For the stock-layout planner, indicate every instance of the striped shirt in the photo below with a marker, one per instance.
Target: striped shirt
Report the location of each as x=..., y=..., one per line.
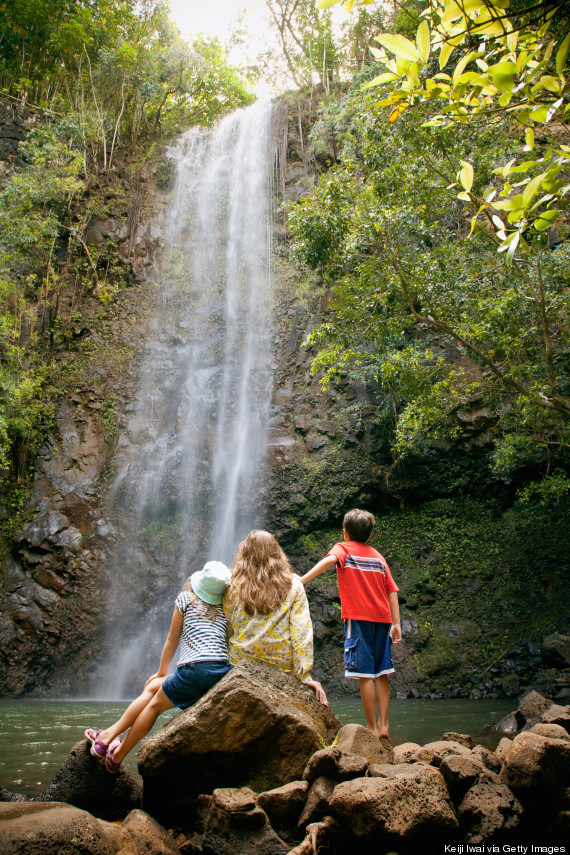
x=201, y=639
x=364, y=582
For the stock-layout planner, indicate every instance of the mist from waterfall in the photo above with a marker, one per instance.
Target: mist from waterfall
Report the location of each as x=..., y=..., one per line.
x=190, y=462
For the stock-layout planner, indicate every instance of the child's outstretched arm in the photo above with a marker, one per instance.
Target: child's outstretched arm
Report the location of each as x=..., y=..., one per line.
x=170, y=645
x=324, y=564
x=396, y=631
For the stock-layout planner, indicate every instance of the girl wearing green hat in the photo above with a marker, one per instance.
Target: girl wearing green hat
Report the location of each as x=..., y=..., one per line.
x=200, y=626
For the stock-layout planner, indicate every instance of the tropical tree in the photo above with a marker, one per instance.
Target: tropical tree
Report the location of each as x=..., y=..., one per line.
x=421, y=300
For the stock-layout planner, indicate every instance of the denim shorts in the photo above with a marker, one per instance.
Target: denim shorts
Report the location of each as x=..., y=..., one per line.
x=367, y=649
x=189, y=682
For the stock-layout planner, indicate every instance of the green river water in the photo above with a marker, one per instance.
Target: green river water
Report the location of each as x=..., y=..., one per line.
x=36, y=736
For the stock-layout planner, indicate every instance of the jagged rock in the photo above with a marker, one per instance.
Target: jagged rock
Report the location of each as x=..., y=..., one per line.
x=283, y=805
x=236, y=825
x=334, y=763
x=29, y=828
x=390, y=811
x=532, y=706
x=383, y=770
x=502, y=749
x=489, y=812
x=356, y=739
x=536, y=761
x=257, y=727
x=83, y=781
x=318, y=799
x=460, y=738
x=460, y=773
x=511, y=723
x=321, y=763
x=406, y=752
x=553, y=731
x=557, y=714
x=434, y=752
x=7, y=796
x=556, y=650
x=488, y=758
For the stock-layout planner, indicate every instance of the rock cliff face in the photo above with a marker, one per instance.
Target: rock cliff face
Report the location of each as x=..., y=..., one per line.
x=328, y=451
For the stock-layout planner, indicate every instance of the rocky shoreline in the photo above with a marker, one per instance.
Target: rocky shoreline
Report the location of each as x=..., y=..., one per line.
x=258, y=767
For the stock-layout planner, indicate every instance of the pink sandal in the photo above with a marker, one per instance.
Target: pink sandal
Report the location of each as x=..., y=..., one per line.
x=98, y=747
x=110, y=762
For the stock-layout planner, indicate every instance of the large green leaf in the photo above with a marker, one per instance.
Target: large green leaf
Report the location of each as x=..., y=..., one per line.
x=399, y=45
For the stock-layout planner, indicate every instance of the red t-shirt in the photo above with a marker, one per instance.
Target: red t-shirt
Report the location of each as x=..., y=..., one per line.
x=364, y=582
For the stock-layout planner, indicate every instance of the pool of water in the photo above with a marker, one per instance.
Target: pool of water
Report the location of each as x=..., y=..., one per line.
x=36, y=736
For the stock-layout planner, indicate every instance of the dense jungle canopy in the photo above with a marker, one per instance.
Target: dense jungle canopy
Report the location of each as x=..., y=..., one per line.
x=440, y=219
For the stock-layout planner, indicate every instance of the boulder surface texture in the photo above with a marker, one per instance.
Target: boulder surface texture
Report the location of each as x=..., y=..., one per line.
x=257, y=727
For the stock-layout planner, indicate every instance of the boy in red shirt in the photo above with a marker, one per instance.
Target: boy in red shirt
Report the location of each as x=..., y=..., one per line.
x=370, y=611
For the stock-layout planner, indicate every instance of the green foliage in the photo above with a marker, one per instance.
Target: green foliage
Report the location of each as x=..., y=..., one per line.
x=420, y=301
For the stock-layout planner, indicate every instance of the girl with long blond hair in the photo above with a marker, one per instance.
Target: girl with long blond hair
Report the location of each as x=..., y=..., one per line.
x=267, y=610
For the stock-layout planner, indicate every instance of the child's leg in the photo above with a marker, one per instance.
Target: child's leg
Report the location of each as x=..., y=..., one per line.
x=133, y=710
x=382, y=688
x=368, y=696
x=143, y=724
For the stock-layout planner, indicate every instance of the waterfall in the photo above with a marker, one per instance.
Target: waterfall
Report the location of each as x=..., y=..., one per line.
x=190, y=461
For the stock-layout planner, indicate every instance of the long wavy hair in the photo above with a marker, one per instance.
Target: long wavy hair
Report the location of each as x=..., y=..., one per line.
x=261, y=574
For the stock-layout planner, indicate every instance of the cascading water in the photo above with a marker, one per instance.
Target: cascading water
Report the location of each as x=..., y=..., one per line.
x=190, y=463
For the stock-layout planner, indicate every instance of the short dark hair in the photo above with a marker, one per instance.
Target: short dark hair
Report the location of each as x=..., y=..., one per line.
x=358, y=524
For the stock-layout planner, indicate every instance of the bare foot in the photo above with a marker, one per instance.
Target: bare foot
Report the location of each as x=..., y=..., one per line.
x=383, y=733
x=374, y=731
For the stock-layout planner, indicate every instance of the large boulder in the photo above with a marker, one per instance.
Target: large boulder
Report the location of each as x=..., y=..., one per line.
x=83, y=781
x=489, y=812
x=257, y=727
x=530, y=710
x=32, y=828
x=536, y=762
x=409, y=807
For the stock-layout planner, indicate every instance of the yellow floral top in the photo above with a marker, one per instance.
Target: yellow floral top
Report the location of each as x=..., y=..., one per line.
x=283, y=638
